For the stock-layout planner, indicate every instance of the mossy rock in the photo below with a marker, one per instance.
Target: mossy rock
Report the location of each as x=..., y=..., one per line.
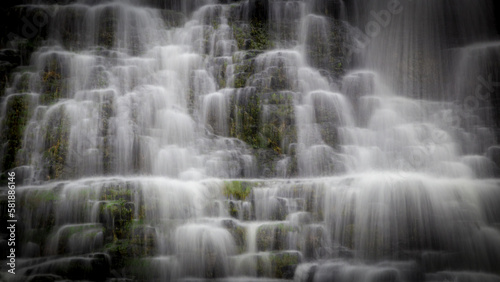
x=243, y=70
x=56, y=141
x=106, y=37
x=315, y=239
x=53, y=84
x=39, y=198
x=242, y=210
x=330, y=54
x=82, y=233
x=253, y=36
x=274, y=236
x=144, y=269
x=143, y=238
x=244, y=67
x=54, y=78
x=238, y=190
x=173, y=18
x=106, y=112
x=267, y=157
x=284, y=264
x=245, y=118
x=238, y=232
x=116, y=216
x=124, y=253
x=118, y=191
x=279, y=265
x=278, y=127
x=21, y=80
x=39, y=208
x=15, y=121
x=348, y=236
x=220, y=68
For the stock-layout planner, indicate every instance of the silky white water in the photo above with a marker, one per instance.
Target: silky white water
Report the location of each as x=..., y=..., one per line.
x=162, y=144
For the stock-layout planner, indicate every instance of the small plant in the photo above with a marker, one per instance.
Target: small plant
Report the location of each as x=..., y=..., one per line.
x=237, y=190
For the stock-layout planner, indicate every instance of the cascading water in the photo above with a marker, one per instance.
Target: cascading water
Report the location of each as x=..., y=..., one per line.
x=254, y=140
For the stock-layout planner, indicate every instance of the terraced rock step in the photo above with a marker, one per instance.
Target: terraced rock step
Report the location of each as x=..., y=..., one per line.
x=159, y=228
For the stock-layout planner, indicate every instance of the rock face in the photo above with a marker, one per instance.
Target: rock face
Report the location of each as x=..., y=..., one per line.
x=258, y=91
x=241, y=140
x=148, y=229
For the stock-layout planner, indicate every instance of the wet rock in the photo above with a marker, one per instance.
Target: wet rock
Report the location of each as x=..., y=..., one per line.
x=493, y=153
x=339, y=271
x=274, y=236
x=74, y=268
x=358, y=84
x=305, y=272
x=14, y=124
x=238, y=232
x=258, y=10
x=31, y=250
x=461, y=276
x=332, y=8
x=44, y=278
x=280, y=265
x=116, y=216
x=142, y=240
x=312, y=241
x=173, y=18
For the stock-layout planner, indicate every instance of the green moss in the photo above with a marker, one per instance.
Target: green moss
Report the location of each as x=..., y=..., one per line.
x=142, y=238
x=34, y=201
x=238, y=232
x=233, y=211
x=254, y=36
x=279, y=265
x=283, y=264
x=243, y=70
x=142, y=269
x=52, y=83
x=119, y=252
x=278, y=128
x=237, y=190
x=117, y=192
x=245, y=119
x=56, y=144
x=118, y=215
x=273, y=236
x=106, y=112
x=15, y=122
x=221, y=75
x=329, y=53
x=45, y=196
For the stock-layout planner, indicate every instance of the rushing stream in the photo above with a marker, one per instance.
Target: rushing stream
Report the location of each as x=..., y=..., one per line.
x=255, y=140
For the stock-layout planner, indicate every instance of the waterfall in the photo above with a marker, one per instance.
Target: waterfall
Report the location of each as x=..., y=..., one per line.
x=251, y=140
